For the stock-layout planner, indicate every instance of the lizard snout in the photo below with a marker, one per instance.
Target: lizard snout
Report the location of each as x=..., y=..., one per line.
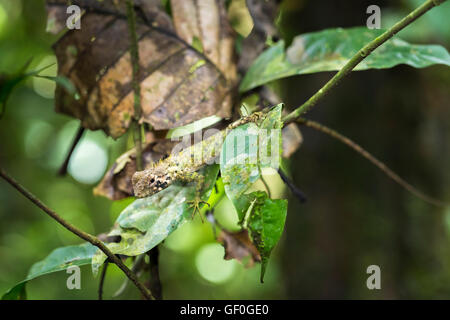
x=147, y=183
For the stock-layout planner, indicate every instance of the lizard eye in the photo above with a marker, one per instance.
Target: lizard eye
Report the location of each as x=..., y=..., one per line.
x=152, y=180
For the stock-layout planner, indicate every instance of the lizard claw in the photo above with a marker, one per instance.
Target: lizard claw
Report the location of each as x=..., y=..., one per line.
x=196, y=205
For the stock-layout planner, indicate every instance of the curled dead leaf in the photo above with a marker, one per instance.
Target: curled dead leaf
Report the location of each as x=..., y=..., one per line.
x=239, y=246
x=264, y=14
x=116, y=184
x=179, y=84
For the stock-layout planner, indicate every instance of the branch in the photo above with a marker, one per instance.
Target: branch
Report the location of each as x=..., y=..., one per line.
x=155, y=281
x=392, y=175
x=294, y=189
x=80, y=233
x=359, y=56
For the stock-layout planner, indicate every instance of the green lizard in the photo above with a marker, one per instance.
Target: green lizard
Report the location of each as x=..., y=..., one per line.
x=183, y=166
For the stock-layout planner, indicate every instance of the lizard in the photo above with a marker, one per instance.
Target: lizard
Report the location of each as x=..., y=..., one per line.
x=184, y=165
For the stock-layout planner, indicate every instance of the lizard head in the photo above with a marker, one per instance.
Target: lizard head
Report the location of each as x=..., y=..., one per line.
x=149, y=182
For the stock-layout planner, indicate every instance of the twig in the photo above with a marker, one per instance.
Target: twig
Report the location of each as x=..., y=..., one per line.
x=63, y=169
x=392, y=175
x=359, y=56
x=80, y=233
x=102, y=281
x=294, y=189
x=155, y=281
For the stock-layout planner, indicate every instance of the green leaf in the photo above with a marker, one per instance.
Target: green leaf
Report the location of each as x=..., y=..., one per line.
x=9, y=82
x=18, y=292
x=148, y=221
x=58, y=260
x=330, y=49
x=266, y=223
x=245, y=151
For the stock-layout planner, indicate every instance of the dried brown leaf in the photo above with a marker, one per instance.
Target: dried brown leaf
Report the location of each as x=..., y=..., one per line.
x=179, y=85
x=207, y=21
x=239, y=246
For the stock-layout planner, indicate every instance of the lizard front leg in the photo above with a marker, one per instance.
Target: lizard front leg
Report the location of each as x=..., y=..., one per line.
x=196, y=203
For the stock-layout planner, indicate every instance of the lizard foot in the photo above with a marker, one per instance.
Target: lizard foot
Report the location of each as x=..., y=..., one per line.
x=196, y=203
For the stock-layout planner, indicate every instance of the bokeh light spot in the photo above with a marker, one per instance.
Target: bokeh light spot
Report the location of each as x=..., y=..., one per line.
x=88, y=162
x=211, y=264
x=186, y=238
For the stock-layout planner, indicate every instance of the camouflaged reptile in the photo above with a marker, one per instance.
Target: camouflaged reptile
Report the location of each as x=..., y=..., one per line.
x=183, y=166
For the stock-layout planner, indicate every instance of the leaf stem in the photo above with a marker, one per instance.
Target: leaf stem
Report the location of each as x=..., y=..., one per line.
x=102, y=281
x=359, y=56
x=266, y=186
x=155, y=283
x=80, y=233
x=134, y=53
